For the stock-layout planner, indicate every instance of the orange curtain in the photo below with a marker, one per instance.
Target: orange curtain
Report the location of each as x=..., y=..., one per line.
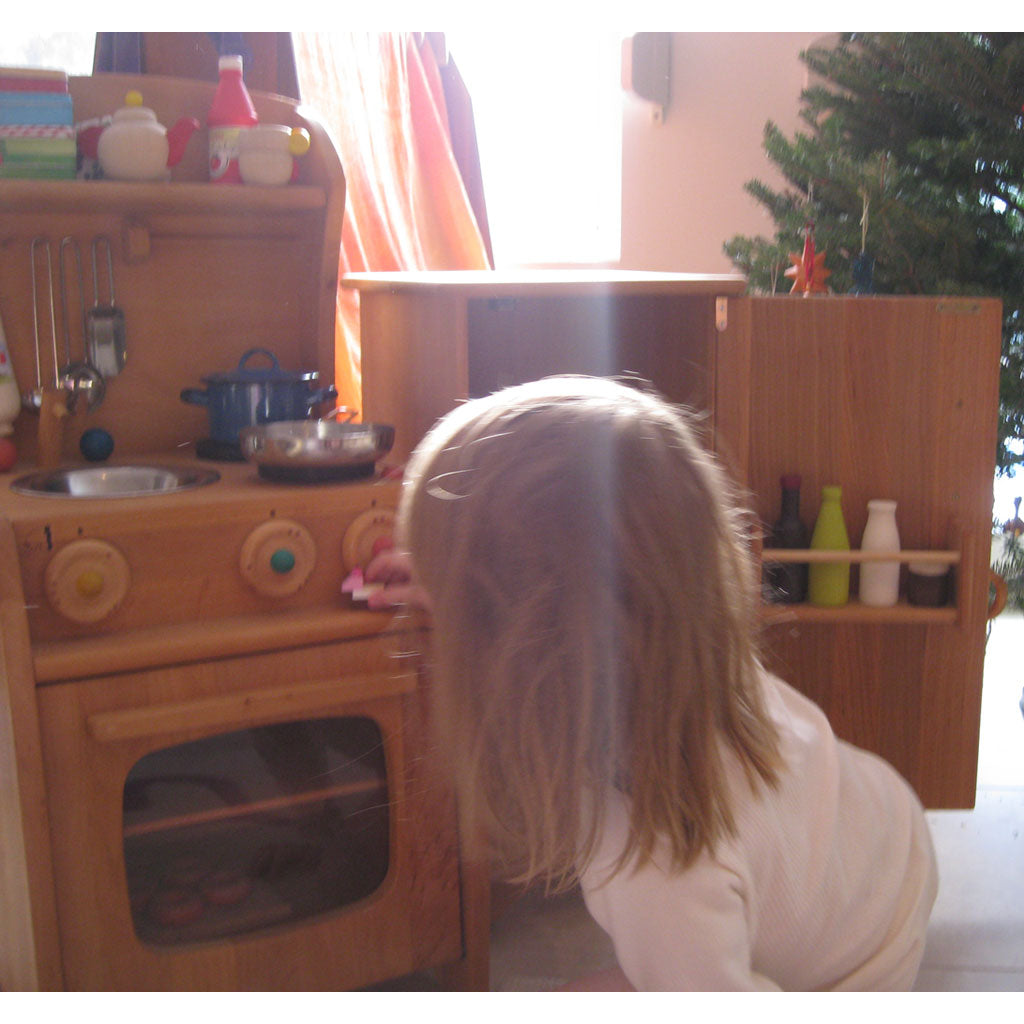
x=381, y=98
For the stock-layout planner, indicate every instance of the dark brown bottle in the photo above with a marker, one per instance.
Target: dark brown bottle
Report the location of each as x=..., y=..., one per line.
x=787, y=584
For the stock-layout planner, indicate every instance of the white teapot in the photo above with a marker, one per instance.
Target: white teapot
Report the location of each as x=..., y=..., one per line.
x=136, y=147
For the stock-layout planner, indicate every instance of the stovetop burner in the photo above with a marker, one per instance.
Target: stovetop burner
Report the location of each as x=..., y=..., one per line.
x=316, y=474
x=219, y=451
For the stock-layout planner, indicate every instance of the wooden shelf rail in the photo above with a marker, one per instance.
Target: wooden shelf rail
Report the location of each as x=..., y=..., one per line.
x=782, y=556
x=232, y=811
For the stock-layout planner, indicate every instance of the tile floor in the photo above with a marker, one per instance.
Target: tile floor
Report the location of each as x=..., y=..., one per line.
x=976, y=936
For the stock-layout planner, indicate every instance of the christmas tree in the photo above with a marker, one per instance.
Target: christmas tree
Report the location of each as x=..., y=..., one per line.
x=911, y=173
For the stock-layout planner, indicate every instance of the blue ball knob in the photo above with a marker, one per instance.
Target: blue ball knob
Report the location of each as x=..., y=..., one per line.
x=96, y=444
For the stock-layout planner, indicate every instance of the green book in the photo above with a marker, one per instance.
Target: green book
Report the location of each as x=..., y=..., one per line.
x=19, y=148
x=37, y=169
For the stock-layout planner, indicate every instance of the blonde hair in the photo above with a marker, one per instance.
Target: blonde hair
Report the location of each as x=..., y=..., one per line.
x=594, y=621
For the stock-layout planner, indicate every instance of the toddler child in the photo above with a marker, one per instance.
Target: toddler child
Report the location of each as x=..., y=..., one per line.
x=606, y=715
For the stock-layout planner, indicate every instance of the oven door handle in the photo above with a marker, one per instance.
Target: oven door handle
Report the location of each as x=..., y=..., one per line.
x=245, y=709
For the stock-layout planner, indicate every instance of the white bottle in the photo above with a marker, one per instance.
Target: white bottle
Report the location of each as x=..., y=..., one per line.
x=880, y=581
x=10, y=396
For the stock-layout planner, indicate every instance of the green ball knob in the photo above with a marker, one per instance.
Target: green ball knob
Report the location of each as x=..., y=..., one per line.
x=282, y=561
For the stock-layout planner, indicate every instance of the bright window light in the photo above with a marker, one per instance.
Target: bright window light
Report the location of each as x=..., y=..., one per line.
x=548, y=112
x=67, y=51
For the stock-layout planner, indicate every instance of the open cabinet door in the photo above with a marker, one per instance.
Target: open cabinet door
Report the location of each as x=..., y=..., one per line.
x=889, y=398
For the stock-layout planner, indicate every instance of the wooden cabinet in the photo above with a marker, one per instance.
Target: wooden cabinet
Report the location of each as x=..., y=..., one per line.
x=313, y=790
x=430, y=340
x=891, y=398
x=888, y=397
x=202, y=272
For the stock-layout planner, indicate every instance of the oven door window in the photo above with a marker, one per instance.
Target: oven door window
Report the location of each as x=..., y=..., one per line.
x=254, y=829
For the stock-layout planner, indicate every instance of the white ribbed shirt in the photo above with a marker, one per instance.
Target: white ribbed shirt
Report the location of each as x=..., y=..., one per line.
x=826, y=885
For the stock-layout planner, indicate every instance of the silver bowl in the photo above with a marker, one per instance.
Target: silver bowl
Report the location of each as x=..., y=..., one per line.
x=112, y=481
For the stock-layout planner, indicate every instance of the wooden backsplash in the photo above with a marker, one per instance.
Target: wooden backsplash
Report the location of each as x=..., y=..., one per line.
x=202, y=272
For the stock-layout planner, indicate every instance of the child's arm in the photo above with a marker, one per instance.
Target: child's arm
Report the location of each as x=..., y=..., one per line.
x=684, y=930
x=681, y=932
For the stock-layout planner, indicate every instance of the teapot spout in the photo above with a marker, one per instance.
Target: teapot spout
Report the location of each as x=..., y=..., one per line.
x=177, y=138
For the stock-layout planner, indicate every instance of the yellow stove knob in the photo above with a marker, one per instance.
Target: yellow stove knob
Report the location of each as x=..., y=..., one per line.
x=89, y=583
x=87, y=580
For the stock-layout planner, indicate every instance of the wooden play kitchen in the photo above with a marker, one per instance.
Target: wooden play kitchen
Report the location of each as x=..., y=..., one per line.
x=215, y=767
x=888, y=398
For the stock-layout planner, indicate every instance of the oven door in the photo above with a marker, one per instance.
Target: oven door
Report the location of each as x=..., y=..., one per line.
x=226, y=825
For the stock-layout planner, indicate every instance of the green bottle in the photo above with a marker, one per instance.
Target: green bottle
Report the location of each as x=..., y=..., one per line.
x=829, y=582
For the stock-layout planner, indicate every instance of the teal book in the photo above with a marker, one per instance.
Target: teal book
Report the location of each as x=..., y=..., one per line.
x=35, y=108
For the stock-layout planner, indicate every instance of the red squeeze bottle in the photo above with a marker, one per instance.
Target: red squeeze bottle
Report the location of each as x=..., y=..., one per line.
x=230, y=113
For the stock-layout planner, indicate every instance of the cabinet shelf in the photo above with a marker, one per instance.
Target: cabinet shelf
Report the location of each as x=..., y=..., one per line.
x=853, y=611
x=289, y=802
x=252, y=773
x=30, y=196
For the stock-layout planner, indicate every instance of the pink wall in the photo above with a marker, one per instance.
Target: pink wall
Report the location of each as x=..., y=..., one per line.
x=682, y=178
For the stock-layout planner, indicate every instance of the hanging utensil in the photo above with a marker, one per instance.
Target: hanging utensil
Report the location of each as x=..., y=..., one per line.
x=105, y=328
x=77, y=377
x=34, y=399
x=68, y=243
x=49, y=400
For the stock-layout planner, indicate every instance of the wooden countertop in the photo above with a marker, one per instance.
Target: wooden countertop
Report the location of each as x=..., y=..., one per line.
x=562, y=282
x=186, y=593
x=239, y=485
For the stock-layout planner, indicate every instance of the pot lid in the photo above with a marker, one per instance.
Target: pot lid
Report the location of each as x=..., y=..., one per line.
x=246, y=374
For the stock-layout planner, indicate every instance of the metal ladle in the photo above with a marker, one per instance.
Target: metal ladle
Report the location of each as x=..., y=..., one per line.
x=77, y=377
x=33, y=399
x=104, y=324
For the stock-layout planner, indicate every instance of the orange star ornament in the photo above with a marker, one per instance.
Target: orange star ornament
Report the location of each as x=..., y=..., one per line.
x=809, y=272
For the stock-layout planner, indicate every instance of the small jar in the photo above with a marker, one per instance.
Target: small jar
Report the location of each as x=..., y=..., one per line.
x=927, y=584
x=266, y=153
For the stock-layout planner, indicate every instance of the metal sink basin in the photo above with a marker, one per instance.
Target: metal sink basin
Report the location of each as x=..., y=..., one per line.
x=113, y=481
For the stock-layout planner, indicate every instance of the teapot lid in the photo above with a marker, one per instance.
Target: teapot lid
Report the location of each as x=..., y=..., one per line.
x=133, y=110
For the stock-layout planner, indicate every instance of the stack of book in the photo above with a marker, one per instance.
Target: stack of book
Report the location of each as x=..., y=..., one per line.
x=37, y=135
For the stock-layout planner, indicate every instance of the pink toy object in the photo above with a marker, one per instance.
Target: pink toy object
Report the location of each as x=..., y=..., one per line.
x=355, y=585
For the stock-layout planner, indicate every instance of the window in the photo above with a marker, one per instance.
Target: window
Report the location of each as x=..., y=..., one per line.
x=69, y=51
x=548, y=112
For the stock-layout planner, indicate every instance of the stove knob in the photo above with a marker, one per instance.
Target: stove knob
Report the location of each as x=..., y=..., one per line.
x=86, y=580
x=366, y=535
x=277, y=558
